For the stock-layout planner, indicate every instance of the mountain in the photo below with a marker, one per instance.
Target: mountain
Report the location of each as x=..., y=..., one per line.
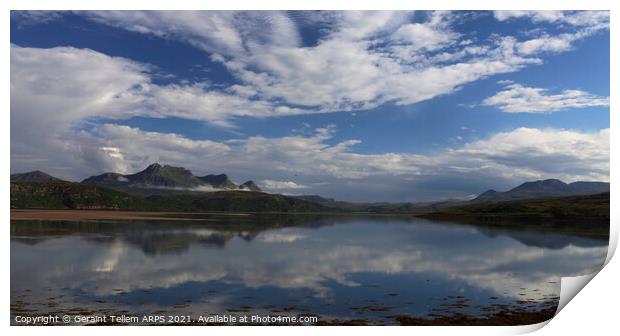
x=166, y=176
x=157, y=177
x=220, y=181
x=543, y=189
x=154, y=176
x=33, y=176
x=249, y=185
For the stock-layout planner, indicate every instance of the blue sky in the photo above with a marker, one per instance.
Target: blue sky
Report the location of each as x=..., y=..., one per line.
x=361, y=106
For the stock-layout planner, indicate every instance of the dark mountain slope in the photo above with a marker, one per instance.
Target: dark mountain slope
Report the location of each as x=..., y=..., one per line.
x=220, y=181
x=249, y=185
x=164, y=176
x=542, y=189
x=154, y=176
x=68, y=195
x=33, y=176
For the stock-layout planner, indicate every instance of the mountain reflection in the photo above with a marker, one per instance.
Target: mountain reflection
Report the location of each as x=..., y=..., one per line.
x=325, y=259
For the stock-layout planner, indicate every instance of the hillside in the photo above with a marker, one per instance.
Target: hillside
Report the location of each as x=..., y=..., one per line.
x=585, y=212
x=33, y=176
x=69, y=195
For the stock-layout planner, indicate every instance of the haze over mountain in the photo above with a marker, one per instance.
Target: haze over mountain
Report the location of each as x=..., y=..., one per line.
x=543, y=189
x=157, y=176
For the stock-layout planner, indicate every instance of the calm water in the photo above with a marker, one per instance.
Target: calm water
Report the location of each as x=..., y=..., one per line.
x=370, y=268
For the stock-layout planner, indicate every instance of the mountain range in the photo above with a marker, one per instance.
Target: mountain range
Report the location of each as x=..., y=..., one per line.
x=158, y=176
x=159, y=179
x=543, y=189
x=578, y=206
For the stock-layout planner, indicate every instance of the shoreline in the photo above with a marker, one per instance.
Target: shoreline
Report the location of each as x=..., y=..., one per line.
x=81, y=215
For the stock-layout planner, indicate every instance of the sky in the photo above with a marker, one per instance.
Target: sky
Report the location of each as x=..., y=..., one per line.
x=360, y=106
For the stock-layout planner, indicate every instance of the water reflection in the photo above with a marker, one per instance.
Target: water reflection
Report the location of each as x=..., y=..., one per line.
x=336, y=267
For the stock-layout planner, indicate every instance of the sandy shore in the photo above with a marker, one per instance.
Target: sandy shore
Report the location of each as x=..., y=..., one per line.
x=78, y=215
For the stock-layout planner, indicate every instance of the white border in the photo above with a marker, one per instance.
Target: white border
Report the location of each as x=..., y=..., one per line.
x=594, y=311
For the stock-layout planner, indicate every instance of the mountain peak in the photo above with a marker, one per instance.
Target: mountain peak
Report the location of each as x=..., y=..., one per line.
x=218, y=181
x=541, y=185
x=250, y=185
x=153, y=167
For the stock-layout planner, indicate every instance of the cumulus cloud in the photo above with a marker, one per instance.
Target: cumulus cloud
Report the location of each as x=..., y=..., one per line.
x=530, y=153
x=57, y=90
x=518, y=98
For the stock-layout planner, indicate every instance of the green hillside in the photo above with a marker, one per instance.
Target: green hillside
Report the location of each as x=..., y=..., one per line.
x=585, y=214
x=68, y=195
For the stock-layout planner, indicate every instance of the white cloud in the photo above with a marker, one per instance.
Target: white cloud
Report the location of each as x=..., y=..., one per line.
x=581, y=23
x=508, y=157
x=517, y=98
x=361, y=60
x=429, y=36
x=536, y=16
x=281, y=185
x=346, y=69
x=56, y=90
x=346, y=73
x=530, y=153
x=354, y=25
x=208, y=30
x=575, y=18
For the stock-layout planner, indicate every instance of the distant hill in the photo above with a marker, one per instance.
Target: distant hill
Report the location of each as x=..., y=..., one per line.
x=543, y=189
x=33, y=176
x=168, y=177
